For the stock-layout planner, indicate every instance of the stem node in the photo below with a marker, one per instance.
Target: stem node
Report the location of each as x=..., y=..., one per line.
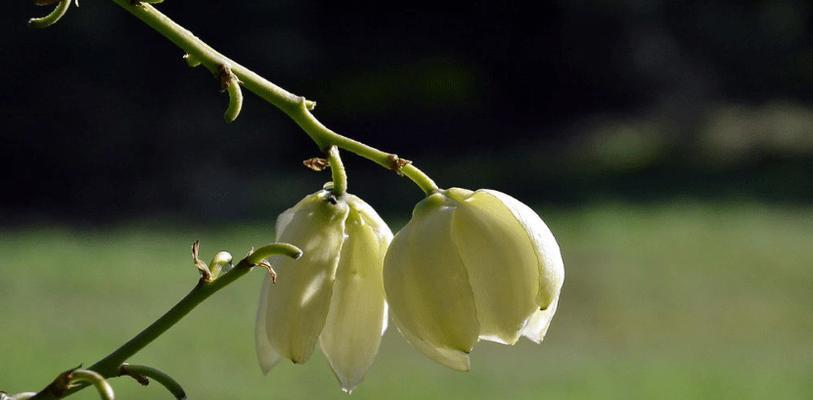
x=397, y=164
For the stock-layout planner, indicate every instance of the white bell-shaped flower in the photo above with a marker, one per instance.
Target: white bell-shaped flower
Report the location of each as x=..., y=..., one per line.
x=333, y=294
x=470, y=266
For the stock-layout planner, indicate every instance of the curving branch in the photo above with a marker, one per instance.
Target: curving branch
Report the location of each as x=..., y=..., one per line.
x=110, y=366
x=52, y=17
x=93, y=378
x=70, y=381
x=231, y=85
x=296, y=107
x=141, y=373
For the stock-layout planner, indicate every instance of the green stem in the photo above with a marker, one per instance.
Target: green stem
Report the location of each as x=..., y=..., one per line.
x=95, y=379
x=110, y=366
x=337, y=171
x=52, y=17
x=294, y=106
x=143, y=371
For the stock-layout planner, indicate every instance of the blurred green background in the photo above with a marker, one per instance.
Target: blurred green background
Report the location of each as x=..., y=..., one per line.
x=671, y=301
x=669, y=146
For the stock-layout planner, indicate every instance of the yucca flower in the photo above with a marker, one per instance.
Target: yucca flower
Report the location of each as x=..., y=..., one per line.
x=470, y=266
x=333, y=294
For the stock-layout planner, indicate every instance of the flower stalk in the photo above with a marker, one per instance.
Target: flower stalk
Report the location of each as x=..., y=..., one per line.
x=296, y=107
x=337, y=171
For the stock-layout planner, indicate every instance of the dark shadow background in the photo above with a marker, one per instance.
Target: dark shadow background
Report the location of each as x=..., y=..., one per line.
x=567, y=102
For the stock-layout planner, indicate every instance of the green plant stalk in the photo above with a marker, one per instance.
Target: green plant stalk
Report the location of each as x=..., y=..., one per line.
x=155, y=374
x=337, y=171
x=95, y=379
x=296, y=107
x=109, y=366
x=52, y=17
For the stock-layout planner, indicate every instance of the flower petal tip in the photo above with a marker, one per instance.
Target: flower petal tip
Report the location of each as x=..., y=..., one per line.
x=535, y=340
x=348, y=386
x=267, y=365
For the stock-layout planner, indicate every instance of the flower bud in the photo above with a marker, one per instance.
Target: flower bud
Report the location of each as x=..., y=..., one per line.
x=334, y=293
x=470, y=266
x=220, y=264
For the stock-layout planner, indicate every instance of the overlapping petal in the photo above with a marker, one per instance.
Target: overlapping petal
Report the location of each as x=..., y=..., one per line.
x=468, y=266
x=501, y=264
x=266, y=355
x=428, y=288
x=333, y=294
x=539, y=322
x=358, y=312
x=551, y=266
x=295, y=312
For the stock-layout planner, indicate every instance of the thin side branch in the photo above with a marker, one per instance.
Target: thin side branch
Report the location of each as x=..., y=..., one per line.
x=142, y=372
x=296, y=107
x=110, y=366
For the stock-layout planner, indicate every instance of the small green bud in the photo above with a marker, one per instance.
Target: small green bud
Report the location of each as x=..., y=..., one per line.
x=220, y=264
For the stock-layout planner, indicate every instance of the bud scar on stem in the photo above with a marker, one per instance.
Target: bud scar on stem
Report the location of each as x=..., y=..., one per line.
x=316, y=164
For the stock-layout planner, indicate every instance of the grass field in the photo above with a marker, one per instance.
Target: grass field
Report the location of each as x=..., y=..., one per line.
x=673, y=301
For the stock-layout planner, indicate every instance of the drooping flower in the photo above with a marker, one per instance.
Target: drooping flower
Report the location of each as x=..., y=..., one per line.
x=470, y=266
x=333, y=294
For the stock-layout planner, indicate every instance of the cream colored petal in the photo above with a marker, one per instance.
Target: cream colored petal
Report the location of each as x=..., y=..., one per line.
x=454, y=359
x=551, y=266
x=266, y=355
x=283, y=220
x=427, y=286
x=298, y=304
x=538, y=325
x=501, y=263
x=358, y=312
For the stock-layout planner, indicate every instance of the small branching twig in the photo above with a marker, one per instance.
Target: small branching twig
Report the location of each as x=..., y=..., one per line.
x=296, y=107
x=231, y=85
x=52, y=17
x=95, y=379
x=141, y=373
x=111, y=366
x=74, y=379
